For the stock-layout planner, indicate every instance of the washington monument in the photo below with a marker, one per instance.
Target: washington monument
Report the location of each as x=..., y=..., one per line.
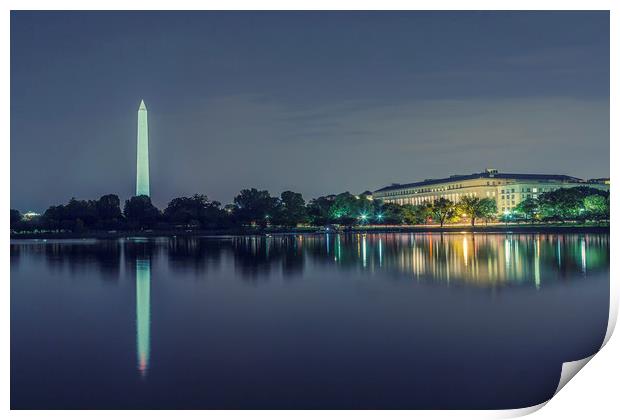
x=142, y=168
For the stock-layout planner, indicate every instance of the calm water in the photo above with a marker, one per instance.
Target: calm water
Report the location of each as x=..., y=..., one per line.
x=316, y=321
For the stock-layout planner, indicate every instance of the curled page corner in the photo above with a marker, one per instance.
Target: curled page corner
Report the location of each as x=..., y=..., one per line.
x=570, y=369
x=519, y=412
x=613, y=313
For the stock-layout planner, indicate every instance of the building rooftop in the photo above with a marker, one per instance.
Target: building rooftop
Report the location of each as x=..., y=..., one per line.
x=599, y=180
x=489, y=173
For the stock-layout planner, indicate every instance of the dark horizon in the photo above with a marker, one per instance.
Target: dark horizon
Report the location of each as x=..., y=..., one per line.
x=314, y=102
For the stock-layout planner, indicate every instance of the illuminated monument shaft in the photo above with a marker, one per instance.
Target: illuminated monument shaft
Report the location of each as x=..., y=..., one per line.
x=142, y=173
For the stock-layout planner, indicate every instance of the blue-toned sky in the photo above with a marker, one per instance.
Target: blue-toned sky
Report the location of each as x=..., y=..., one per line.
x=314, y=102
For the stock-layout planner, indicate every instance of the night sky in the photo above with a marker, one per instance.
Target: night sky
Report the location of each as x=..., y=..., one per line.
x=313, y=102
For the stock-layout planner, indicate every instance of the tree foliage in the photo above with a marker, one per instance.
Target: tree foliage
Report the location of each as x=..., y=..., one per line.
x=474, y=208
x=196, y=210
x=292, y=209
x=16, y=218
x=140, y=212
x=443, y=210
x=596, y=206
x=528, y=209
x=253, y=207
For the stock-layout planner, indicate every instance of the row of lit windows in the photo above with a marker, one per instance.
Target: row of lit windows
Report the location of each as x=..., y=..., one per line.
x=424, y=190
x=512, y=196
x=524, y=189
x=455, y=186
x=455, y=197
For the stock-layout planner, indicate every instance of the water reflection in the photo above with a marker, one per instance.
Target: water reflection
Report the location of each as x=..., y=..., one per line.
x=194, y=254
x=486, y=260
x=255, y=257
x=76, y=256
x=480, y=260
x=452, y=309
x=143, y=313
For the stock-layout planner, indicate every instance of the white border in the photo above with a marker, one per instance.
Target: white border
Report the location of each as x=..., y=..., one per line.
x=593, y=394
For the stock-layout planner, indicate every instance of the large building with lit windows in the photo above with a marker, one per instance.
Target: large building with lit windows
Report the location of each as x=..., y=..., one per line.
x=507, y=189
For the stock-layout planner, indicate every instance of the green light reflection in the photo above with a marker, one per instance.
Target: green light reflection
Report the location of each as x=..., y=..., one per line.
x=143, y=313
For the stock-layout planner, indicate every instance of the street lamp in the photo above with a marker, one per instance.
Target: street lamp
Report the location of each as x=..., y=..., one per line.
x=506, y=216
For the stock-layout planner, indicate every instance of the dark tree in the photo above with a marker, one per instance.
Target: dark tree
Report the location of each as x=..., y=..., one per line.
x=292, y=209
x=109, y=208
x=54, y=217
x=81, y=212
x=254, y=206
x=392, y=213
x=16, y=218
x=140, y=212
x=319, y=210
x=195, y=210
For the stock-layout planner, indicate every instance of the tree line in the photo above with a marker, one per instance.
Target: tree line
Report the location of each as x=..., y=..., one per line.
x=564, y=204
x=257, y=208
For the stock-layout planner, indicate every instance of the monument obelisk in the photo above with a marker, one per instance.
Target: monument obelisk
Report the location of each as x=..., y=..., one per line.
x=142, y=168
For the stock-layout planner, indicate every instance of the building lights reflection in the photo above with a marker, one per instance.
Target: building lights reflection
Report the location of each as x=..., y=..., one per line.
x=143, y=313
x=327, y=242
x=488, y=260
x=364, y=250
x=338, y=249
x=537, y=262
x=583, y=255
x=484, y=260
x=507, y=253
x=465, y=250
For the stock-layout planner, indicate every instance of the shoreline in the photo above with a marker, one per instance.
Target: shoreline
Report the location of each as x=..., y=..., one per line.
x=496, y=228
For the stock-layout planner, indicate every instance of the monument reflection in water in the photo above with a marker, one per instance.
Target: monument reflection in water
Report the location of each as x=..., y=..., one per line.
x=304, y=321
x=143, y=313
